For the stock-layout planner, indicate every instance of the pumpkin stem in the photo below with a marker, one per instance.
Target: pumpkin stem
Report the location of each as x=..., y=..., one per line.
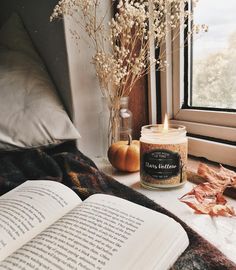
x=129, y=139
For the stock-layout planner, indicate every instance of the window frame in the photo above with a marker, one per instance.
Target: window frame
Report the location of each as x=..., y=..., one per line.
x=212, y=133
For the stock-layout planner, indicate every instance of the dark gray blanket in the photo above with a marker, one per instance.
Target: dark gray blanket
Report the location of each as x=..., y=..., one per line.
x=66, y=164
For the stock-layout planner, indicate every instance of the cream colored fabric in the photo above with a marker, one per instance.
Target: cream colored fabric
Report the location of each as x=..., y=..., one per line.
x=31, y=114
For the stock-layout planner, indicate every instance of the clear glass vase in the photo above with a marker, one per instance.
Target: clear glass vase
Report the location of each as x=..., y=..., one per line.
x=109, y=124
x=115, y=122
x=125, y=119
x=103, y=124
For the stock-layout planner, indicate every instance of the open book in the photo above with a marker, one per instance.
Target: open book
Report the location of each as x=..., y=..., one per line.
x=45, y=225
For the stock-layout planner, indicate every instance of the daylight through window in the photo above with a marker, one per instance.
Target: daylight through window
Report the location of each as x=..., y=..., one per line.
x=212, y=55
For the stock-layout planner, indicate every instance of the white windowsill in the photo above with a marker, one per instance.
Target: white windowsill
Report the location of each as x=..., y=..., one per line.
x=220, y=231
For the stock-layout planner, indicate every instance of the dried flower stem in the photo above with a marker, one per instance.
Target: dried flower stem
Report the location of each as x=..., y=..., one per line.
x=122, y=46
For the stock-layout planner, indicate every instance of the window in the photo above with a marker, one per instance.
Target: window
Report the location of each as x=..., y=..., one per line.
x=199, y=86
x=213, y=57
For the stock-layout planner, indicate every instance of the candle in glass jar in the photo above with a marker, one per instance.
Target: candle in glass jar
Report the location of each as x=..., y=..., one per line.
x=163, y=154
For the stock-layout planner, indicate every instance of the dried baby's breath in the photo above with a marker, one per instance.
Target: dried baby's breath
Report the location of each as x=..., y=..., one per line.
x=127, y=59
x=122, y=43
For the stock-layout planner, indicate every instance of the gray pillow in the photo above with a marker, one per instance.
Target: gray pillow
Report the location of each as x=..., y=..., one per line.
x=31, y=113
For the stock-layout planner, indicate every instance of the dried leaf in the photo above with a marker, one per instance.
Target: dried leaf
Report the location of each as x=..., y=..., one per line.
x=206, y=191
x=211, y=209
x=223, y=177
x=222, y=210
x=230, y=174
x=207, y=198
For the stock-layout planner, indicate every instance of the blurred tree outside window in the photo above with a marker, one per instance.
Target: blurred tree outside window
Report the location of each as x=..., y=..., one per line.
x=213, y=56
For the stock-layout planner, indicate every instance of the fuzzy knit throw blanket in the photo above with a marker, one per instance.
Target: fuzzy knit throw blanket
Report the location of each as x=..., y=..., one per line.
x=69, y=166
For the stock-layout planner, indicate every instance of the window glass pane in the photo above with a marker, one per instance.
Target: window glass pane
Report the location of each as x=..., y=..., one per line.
x=214, y=55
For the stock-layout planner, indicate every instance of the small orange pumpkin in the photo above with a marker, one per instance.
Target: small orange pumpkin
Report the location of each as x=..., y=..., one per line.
x=125, y=155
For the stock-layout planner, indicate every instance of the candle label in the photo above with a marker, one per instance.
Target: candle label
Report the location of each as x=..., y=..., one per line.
x=161, y=164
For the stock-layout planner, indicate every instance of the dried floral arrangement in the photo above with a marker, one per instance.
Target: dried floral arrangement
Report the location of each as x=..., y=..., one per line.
x=207, y=198
x=122, y=43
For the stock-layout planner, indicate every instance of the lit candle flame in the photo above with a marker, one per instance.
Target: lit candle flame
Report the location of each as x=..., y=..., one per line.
x=166, y=125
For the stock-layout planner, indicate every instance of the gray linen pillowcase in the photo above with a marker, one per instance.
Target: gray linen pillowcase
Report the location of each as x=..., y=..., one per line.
x=31, y=113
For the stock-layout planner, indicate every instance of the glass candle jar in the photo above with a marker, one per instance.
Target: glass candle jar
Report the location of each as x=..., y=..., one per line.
x=163, y=154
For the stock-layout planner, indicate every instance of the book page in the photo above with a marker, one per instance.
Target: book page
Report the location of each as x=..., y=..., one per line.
x=104, y=232
x=30, y=208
